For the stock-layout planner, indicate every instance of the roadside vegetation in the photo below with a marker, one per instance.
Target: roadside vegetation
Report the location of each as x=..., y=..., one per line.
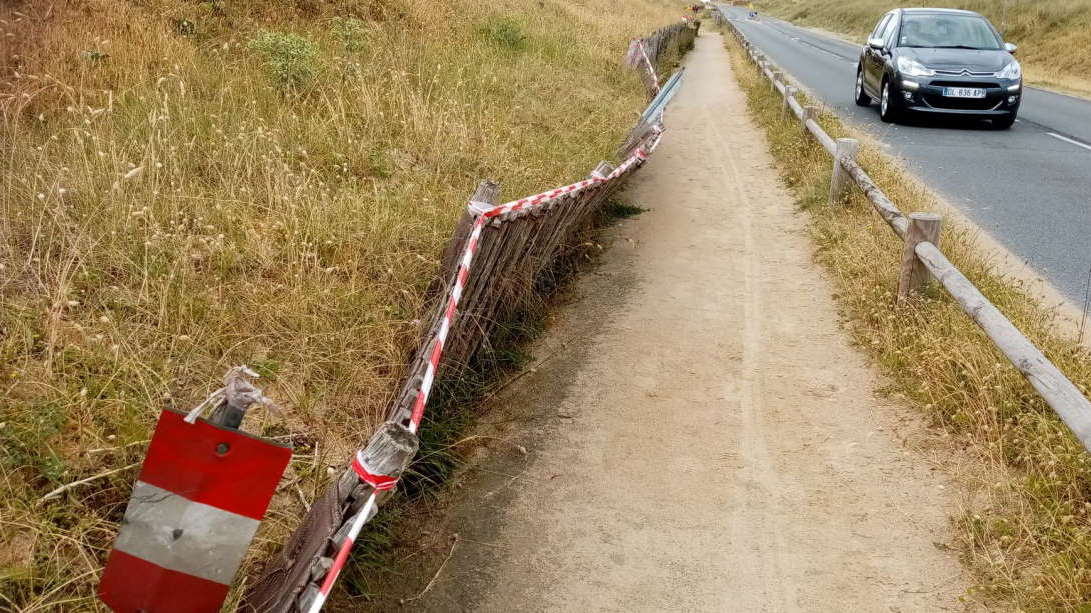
x=1025, y=522
x=1054, y=37
x=185, y=187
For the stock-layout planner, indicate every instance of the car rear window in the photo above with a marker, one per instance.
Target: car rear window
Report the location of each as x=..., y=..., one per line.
x=956, y=31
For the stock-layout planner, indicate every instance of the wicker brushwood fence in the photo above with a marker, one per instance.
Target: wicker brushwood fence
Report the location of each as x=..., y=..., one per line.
x=492, y=263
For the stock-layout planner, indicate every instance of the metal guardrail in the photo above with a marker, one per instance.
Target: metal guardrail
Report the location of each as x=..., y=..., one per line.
x=659, y=103
x=923, y=258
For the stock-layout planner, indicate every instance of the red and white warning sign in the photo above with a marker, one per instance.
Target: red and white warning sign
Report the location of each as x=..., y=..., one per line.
x=195, y=507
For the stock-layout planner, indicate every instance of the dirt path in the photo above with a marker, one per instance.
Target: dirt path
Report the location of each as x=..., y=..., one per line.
x=702, y=437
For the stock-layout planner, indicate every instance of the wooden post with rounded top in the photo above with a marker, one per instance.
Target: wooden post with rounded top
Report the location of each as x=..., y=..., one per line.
x=789, y=93
x=809, y=113
x=923, y=228
x=840, y=181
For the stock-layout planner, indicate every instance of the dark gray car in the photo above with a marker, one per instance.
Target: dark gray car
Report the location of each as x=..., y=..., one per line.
x=939, y=61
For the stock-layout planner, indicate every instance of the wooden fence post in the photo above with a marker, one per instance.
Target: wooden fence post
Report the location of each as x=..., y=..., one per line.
x=840, y=181
x=789, y=93
x=487, y=191
x=463, y=340
x=923, y=227
x=809, y=113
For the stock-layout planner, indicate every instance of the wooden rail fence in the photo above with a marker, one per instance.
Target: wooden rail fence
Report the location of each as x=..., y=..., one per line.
x=922, y=258
x=513, y=252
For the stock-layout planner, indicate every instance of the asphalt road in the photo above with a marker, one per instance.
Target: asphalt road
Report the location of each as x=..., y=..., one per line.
x=1029, y=187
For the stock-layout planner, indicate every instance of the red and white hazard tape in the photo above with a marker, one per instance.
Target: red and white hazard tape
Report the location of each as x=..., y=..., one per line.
x=445, y=326
x=471, y=248
x=377, y=482
x=553, y=194
x=382, y=482
x=651, y=68
x=343, y=554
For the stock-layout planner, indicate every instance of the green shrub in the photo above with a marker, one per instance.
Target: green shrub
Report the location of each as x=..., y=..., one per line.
x=504, y=32
x=291, y=60
x=351, y=32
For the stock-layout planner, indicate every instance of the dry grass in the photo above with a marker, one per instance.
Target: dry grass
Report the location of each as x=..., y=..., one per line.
x=1054, y=37
x=1026, y=529
x=189, y=186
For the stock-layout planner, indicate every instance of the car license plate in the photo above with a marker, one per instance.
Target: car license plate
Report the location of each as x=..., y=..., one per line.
x=963, y=92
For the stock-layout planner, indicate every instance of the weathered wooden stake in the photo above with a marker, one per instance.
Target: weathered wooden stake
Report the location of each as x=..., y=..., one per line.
x=840, y=181
x=809, y=113
x=789, y=93
x=923, y=227
x=487, y=192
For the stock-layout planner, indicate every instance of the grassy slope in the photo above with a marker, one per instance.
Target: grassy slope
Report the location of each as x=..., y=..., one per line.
x=1026, y=519
x=168, y=208
x=1054, y=37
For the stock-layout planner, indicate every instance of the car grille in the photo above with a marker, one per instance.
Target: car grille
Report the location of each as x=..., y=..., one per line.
x=962, y=104
x=977, y=84
x=963, y=73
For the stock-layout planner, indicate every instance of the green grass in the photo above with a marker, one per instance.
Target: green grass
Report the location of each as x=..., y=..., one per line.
x=1054, y=37
x=190, y=186
x=1025, y=523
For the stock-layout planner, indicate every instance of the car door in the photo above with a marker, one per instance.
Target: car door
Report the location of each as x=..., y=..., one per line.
x=875, y=59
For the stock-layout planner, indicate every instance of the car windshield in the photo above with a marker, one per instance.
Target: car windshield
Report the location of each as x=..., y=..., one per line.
x=947, y=31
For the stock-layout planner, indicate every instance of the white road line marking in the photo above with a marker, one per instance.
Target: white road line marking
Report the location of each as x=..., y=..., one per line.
x=1069, y=140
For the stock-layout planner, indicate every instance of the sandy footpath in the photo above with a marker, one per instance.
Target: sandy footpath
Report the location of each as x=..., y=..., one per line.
x=700, y=436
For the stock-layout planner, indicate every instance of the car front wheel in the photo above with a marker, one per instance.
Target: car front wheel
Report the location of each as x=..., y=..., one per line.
x=862, y=97
x=1004, y=123
x=888, y=104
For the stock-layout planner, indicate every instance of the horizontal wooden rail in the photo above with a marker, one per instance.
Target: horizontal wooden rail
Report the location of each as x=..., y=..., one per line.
x=1063, y=396
x=796, y=107
x=1057, y=390
x=820, y=135
x=882, y=205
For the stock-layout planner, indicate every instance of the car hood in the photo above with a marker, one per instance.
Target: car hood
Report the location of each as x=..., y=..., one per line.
x=974, y=60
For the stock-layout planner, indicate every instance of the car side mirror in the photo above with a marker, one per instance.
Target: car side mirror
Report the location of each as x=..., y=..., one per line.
x=1010, y=48
x=875, y=43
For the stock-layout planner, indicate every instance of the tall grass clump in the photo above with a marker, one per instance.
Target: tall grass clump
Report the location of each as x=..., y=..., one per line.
x=1054, y=37
x=166, y=212
x=1025, y=523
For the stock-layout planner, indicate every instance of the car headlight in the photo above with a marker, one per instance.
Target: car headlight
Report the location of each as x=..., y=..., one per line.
x=913, y=68
x=1011, y=71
